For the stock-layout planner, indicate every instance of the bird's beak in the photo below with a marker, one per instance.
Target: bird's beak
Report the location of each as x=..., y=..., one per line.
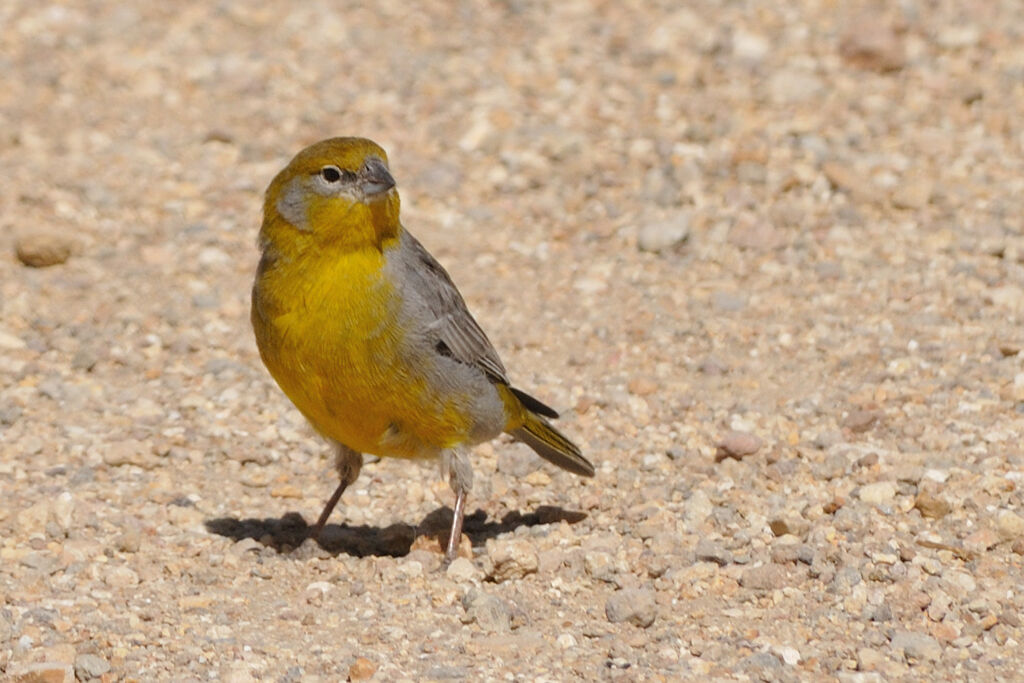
x=374, y=178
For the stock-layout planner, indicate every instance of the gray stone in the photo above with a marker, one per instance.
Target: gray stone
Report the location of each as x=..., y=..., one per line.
x=789, y=86
x=728, y=302
x=655, y=237
x=9, y=414
x=489, y=612
x=879, y=613
x=765, y=578
x=845, y=579
x=785, y=553
x=600, y=565
x=914, y=645
x=709, y=551
x=760, y=661
x=635, y=605
x=90, y=666
x=827, y=438
x=6, y=626
x=859, y=677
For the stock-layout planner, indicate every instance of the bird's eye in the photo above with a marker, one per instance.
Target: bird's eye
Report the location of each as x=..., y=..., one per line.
x=331, y=174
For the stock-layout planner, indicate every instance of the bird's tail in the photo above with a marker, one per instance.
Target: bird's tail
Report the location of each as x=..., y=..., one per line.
x=552, y=445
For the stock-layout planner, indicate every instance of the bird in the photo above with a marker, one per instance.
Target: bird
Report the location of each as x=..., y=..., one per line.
x=368, y=336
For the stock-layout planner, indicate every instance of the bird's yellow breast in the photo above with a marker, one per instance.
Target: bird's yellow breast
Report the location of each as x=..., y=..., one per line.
x=329, y=329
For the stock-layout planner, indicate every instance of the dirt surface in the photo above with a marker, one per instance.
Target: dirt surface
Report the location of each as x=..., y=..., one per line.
x=765, y=257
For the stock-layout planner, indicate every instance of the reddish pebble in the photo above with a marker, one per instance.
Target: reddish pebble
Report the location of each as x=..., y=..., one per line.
x=737, y=445
x=362, y=669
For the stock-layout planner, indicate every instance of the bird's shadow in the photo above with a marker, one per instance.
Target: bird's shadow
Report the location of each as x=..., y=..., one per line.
x=290, y=531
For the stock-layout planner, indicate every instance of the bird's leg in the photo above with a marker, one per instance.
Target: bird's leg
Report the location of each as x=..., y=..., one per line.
x=456, y=535
x=328, y=509
x=348, y=463
x=460, y=478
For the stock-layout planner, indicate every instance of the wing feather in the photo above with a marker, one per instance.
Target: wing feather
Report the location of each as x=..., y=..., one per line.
x=452, y=322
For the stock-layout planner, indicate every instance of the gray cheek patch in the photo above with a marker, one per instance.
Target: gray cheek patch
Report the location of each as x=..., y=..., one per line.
x=292, y=207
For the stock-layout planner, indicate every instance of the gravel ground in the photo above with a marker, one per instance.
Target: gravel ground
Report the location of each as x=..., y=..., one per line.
x=768, y=258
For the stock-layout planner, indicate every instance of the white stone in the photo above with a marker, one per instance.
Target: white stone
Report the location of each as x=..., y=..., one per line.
x=749, y=47
x=462, y=569
x=10, y=342
x=64, y=510
x=878, y=493
x=566, y=641
x=790, y=655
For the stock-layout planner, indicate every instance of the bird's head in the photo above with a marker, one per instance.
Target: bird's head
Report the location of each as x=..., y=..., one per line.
x=337, y=191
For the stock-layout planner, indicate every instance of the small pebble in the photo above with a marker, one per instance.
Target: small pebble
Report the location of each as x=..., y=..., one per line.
x=642, y=386
x=129, y=541
x=790, y=655
x=913, y=193
x=931, y=506
x=11, y=343
x=462, y=570
x=763, y=662
x=871, y=44
x=848, y=180
x=90, y=666
x=656, y=237
x=860, y=421
x=728, y=302
x=489, y=612
x=41, y=250
x=958, y=36
x=878, y=493
x=981, y=540
x=790, y=86
x=765, y=577
x=916, y=646
x=511, y=559
x=362, y=669
x=869, y=659
x=709, y=551
x=737, y=445
x=64, y=510
x=634, y=605
x=600, y=565
x=127, y=452
x=1010, y=525
x=566, y=641
x=121, y=577
x=40, y=672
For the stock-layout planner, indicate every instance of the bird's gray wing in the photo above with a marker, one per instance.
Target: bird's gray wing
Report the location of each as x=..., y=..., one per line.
x=458, y=334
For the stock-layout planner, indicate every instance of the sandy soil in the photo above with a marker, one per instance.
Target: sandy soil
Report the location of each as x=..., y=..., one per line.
x=765, y=257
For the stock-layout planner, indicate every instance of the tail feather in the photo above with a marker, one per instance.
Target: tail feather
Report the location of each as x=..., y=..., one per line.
x=552, y=445
x=533, y=404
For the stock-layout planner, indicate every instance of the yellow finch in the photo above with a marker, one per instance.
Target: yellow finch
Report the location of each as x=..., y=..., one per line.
x=367, y=334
